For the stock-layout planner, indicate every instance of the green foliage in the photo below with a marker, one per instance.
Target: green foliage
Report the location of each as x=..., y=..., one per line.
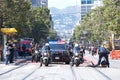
x=78, y=32
x=39, y=23
x=112, y=15
x=101, y=21
x=29, y=22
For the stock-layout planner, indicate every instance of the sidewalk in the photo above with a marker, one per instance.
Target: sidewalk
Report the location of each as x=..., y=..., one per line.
x=18, y=60
x=11, y=66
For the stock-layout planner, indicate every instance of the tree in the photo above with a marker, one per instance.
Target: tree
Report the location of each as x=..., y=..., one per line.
x=39, y=23
x=28, y=21
x=101, y=21
x=14, y=14
x=112, y=15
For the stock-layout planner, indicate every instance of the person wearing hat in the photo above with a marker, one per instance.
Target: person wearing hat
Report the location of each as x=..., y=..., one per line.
x=47, y=47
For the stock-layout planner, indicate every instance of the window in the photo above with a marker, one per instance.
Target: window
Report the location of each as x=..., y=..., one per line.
x=83, y=7
x=83, y=13
x=89, y=7
x=87, y=1
x=90, y=1
x=83, y=2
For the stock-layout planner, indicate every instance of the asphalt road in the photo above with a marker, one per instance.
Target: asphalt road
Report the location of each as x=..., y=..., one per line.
x=33, y=71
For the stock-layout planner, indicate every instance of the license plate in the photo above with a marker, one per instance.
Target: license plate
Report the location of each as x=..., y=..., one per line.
x=57, y=58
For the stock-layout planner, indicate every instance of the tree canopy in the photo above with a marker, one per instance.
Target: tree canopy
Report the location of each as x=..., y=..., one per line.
x=100, y=22
x=29, y=22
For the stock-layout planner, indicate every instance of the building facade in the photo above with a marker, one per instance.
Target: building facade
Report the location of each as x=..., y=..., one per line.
x=88, y=5
x=39, y=3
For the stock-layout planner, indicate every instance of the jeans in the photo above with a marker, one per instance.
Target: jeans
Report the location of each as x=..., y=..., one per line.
x=11, y=57
x=24, y=54
x=7, y=59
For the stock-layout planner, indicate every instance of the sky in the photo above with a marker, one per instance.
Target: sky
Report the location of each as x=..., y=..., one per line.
x=62, y=3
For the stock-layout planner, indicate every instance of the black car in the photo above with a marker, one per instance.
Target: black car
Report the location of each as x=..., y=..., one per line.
x=59, y=53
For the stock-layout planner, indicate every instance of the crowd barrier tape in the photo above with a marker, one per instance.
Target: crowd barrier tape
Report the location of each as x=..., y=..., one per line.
x=115, y=54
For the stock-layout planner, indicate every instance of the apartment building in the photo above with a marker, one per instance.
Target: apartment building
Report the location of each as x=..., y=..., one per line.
x=39, y=3
x=88, y=5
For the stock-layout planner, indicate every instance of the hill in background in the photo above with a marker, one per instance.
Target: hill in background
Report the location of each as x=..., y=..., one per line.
x=65, y=19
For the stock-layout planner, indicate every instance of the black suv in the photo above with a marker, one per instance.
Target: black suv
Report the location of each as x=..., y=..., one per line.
x=59, y=53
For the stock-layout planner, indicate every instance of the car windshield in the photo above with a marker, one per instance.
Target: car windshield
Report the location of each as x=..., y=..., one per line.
x=57, y=47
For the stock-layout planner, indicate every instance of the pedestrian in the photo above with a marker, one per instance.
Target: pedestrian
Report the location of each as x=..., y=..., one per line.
x=94, y=51
x=7, y=53
x=11, y=48
x=1, y=53
x=24, y=50
x=103, y=52
x=92, y=48
x=33, y=52
x=15, y=51
x=82, y=50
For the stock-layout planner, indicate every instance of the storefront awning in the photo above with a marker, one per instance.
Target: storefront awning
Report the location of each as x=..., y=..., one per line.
x=8, y=30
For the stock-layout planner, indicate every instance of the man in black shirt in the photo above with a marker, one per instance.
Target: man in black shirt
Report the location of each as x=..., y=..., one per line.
x=11, y=48
x=102, y=52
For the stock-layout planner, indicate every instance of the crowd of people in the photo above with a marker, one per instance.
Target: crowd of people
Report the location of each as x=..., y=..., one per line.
x=101, y=51
x=12, y=52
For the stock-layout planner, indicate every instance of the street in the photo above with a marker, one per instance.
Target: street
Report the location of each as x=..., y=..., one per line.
x=59, y=71
x=74, y=39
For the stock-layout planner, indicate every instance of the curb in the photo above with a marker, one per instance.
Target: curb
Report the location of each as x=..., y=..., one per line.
x=18, y=61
